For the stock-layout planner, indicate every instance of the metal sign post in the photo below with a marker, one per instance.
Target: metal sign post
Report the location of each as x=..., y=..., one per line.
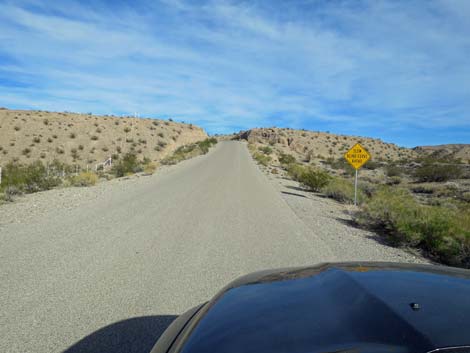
x=357, y=156
x=355, y=190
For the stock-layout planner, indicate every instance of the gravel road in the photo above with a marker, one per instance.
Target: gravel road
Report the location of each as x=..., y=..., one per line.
x=106, y=268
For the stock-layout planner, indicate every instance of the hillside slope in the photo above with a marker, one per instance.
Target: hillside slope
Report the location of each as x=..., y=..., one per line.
x=450, y=151
x=85, y=139
x=311, y=145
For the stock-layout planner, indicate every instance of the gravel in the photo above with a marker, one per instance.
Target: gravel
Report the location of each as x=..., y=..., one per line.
x=333, y=223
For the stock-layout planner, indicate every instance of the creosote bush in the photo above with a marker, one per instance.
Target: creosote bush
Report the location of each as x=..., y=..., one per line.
x=28, y=177
x=262, y=158
x=266, y=150
x=286, y=159
x=342, y=190
x=311, y=178
x=437, y=172
x=442, y=232
x=314, y=179
x=128, y=164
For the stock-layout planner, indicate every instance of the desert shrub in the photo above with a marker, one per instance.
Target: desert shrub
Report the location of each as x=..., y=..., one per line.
x=206, y=144
x=161, y=134
x=295, y=170
x=394, y=180
x=423, y=189
x=98, y=130
x=17, y=128
x=127, y=165
x=342, y=190
x=74, y=153
x=10, y=192
x=127, y=129
x=340, y=163
x=84, y=179
x=437, y=172
x=28, y=178
x=286, y=159
x=465, y=196
x=156, y=123
x=46, y=122
x=49, y=139
x=36, y=139
x=94, y=138
x=314, y=179
x=26, y=151
x=72, y=135
x=371, y=165
x=262, y=158
x=394, y=211
x=266, y=150
x=189, y=151
x=442, y=232
x=392, y=170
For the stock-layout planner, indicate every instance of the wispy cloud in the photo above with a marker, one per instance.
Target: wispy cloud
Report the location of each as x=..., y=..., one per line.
x=397, y=69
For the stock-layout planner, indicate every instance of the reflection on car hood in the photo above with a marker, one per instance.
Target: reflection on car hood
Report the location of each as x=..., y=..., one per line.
x=365, y=307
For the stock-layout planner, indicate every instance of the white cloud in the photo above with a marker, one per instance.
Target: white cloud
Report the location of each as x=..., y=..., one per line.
x=241, y=64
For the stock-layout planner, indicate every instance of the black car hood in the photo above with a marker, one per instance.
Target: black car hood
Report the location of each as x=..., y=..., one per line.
x=366, y=307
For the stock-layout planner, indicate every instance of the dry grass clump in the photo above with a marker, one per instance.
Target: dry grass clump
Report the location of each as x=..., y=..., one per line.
x=150, y=168
x=84, y=179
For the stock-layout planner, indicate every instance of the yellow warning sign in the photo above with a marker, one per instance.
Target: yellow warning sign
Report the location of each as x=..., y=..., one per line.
x=357, y=156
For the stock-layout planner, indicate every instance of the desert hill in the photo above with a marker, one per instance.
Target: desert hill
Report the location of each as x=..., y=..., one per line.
x=450, y=151
x=311, y=145
x=85, y=139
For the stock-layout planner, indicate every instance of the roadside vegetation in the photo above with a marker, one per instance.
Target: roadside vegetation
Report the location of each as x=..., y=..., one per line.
x=189, y=151
x=27, y=178
x=20, y=178
x=414, y=203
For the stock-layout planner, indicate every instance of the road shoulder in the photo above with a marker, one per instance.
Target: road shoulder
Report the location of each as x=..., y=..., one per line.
x=332, y=223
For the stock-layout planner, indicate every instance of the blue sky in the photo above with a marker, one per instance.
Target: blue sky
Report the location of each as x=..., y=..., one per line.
x=396, y=70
